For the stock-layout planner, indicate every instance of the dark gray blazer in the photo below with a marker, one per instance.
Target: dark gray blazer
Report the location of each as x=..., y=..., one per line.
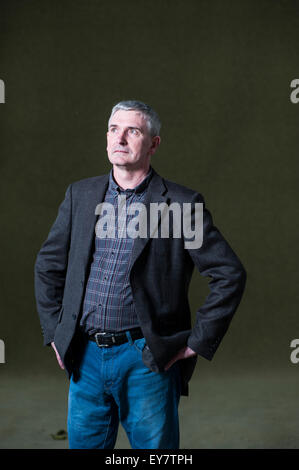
x=160, y=273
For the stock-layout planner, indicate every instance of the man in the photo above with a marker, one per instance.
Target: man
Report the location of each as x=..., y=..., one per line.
x=114, y=306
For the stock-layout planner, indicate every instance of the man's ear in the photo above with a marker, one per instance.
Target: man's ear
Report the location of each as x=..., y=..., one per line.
x=155, y=144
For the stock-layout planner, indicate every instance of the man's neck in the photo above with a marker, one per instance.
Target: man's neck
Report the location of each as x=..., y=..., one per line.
x=129, y=179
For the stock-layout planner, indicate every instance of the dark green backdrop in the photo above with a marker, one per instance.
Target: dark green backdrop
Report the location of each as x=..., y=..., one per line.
x=218, y=73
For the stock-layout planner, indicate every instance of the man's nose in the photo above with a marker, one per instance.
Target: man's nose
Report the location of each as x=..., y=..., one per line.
x=122, y=137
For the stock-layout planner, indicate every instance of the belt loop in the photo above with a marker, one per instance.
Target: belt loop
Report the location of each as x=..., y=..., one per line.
x=128, y=334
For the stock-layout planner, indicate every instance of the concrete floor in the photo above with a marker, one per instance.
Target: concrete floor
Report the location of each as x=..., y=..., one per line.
x=237, y=411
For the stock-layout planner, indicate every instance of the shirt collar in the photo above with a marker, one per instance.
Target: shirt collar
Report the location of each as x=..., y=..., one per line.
x=113, y=186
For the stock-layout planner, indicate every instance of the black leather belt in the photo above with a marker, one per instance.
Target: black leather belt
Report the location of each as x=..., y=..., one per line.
x=105, y=339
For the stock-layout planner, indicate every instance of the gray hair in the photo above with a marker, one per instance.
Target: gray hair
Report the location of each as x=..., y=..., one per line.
x=150, y=115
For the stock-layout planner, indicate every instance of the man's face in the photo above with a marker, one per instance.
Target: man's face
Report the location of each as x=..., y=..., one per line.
x=129, y=143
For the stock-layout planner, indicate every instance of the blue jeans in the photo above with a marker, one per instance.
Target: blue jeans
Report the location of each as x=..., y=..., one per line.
x=114, y=385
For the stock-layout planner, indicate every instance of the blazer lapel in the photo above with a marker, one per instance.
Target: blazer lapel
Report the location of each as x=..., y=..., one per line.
x=94, y=196
x=155, y=194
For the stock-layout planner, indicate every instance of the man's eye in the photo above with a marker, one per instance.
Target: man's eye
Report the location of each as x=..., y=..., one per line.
x=134, y=131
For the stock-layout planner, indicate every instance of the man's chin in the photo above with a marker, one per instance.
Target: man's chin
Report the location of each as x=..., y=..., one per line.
x=122, y=159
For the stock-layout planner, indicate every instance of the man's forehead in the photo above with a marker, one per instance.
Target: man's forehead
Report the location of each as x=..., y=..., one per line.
x=127, y=117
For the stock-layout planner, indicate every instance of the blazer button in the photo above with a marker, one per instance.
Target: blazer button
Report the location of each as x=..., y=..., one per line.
x=74, y=316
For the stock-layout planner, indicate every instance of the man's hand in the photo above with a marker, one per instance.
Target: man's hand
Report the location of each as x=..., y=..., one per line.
x=182, y=354
x=57, y=355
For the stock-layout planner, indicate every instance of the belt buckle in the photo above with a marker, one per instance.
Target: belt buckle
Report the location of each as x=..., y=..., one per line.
x=97, y=341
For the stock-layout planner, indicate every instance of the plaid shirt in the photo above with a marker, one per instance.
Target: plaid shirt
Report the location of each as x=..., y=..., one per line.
x=108, y=303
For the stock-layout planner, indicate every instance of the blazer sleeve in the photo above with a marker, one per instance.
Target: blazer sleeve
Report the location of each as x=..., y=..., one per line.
x=216, y=259
x=50, y=269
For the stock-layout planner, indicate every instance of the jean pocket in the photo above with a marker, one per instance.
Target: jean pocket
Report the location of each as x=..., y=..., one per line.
x=139, y=344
